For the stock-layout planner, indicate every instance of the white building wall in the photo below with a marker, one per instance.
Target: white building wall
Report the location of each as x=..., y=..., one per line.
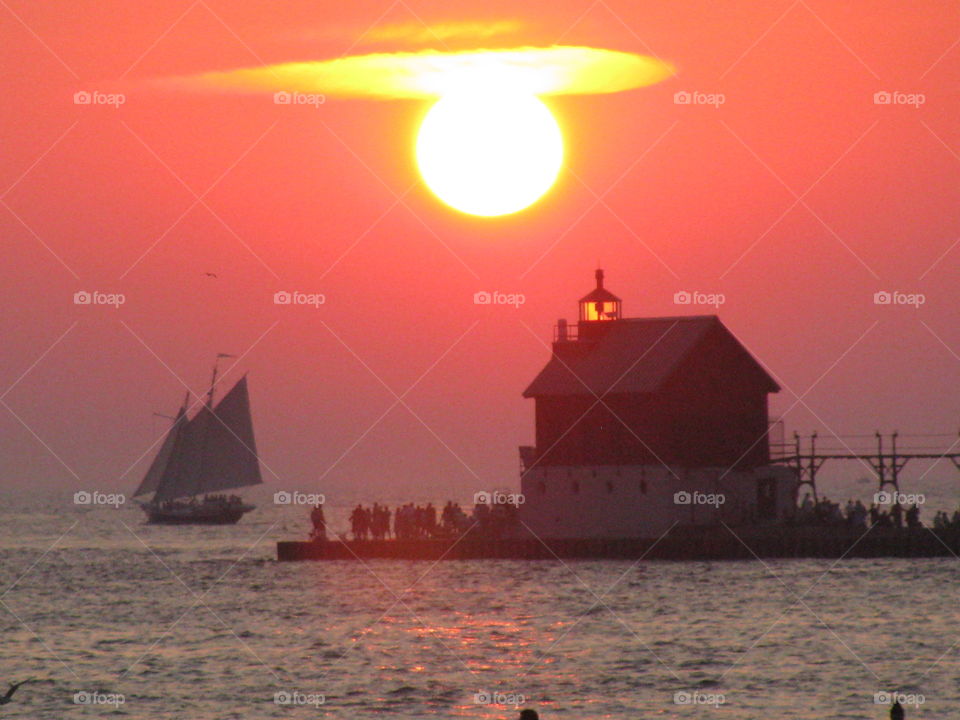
x=641, y=500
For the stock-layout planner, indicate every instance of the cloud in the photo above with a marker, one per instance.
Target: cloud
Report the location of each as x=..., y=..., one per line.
x=556, y=70
x=413, y=33
x=440, y=32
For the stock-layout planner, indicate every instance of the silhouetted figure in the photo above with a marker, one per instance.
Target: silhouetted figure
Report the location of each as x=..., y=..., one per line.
x=913, y=516
x=896, y=711
x=13, y=688
x=529, y=714
x=360, y=522
x=319, y=532
x=896, y=514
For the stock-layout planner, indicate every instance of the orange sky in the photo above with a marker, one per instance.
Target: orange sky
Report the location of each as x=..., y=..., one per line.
x=694, y=197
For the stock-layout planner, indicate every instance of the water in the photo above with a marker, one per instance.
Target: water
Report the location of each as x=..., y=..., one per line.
x=203, y=623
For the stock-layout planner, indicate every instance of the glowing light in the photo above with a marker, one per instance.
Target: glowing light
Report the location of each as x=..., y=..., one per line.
x=555, y=70
x=489, y=154
x=489, y=146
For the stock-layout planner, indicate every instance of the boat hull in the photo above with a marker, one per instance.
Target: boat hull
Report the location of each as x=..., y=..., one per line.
x=200, y=514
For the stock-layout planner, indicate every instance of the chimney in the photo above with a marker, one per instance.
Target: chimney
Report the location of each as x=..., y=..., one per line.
x=599, y=275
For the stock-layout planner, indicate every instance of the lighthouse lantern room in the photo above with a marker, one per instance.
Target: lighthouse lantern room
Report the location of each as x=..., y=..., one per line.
x=600, y=304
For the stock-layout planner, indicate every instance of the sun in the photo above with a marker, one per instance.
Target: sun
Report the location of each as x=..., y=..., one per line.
x=489, y=154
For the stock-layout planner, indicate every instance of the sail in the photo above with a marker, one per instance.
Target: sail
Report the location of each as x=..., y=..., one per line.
x=230, y=452
x=182, y=475
x=159, y=465
x=215, y=450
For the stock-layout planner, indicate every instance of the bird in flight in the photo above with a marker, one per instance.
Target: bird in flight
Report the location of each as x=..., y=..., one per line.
x=210, y=274
x=4, y=699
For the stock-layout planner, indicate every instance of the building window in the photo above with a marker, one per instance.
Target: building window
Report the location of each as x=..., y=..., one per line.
x=609, y=486
x=575, y=487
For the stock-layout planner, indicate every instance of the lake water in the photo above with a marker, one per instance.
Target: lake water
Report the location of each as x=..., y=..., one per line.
x=203, y=623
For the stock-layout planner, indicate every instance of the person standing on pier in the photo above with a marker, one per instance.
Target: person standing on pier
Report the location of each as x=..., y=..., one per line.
x=896, y=514
x=360, y=522
x=319, y=532
x=913, y=516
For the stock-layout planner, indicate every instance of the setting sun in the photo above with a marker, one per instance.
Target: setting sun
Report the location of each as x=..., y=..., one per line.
x=489, y=155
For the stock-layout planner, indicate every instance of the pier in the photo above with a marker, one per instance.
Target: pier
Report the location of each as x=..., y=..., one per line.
x=886, y=465
x=686, y=543
x=717, y=541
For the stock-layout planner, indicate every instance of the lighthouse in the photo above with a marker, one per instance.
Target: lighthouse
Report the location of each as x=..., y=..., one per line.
x=643, y=424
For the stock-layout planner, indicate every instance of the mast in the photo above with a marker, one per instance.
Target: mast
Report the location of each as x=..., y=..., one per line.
x=213, y=378
x=205, y=429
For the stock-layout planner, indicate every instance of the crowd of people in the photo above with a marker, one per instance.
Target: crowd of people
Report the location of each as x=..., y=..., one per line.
x=371, y=522
x=943, y=521
x=411, y=521
x=822, y=511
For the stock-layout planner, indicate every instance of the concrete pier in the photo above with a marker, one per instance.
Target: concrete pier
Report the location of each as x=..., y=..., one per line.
x=699, y=543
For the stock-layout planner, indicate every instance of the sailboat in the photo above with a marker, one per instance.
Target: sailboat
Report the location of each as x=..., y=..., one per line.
x=202, y=456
